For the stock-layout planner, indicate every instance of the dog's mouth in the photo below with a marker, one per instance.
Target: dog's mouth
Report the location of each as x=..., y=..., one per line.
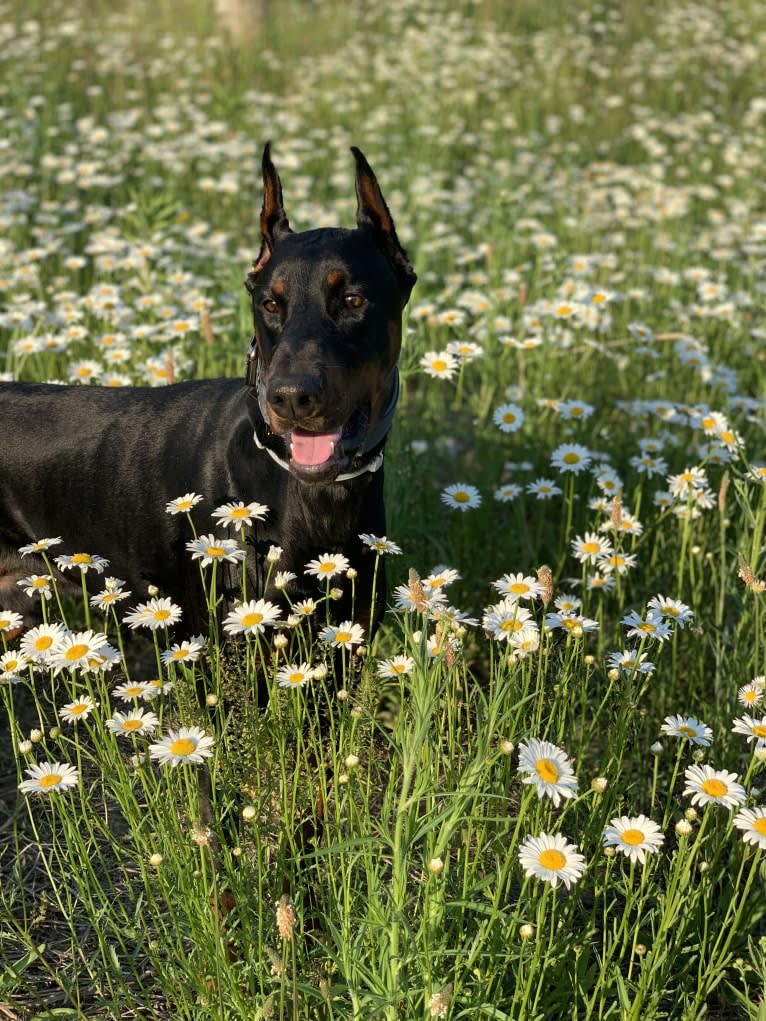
x=314, y=454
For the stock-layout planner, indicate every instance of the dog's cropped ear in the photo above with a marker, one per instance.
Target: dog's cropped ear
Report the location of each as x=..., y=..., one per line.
x=372, y=213
x=274, y=222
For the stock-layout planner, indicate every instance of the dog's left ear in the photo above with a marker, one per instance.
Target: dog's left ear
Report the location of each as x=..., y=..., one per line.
x=274, y=222
x=372, y=213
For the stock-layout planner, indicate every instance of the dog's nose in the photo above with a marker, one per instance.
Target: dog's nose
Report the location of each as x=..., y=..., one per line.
x=294, y=397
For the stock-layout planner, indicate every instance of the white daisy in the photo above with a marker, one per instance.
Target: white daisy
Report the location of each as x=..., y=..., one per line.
x=548, y=768
x=550, y=858
x=634, y=836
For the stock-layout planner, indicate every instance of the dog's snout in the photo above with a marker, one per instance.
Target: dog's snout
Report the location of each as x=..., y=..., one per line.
x=295, y=397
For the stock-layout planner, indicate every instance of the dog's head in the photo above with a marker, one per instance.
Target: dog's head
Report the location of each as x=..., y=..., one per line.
x=327, y=308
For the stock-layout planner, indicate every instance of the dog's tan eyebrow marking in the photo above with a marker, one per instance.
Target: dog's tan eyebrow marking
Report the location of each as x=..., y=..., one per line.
x=335, y=278
x=278, y=289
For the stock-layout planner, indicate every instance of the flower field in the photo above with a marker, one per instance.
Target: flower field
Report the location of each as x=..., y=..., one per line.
x=538, y=792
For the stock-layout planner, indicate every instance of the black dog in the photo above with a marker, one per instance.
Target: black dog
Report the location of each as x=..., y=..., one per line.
x=304, y=434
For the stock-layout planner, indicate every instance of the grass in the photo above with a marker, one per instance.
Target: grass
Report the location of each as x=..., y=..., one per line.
x=580, y=188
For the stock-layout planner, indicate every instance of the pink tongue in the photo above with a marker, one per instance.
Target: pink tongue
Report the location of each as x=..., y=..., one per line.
x=313, y=448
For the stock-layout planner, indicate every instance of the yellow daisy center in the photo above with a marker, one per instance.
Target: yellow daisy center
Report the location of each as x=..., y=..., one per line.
x=40, y=583
x=547, y=770
x=552, y=859
x=134, y=690
x=687, y=731
x=438, y=365
x=398, y=668
x=215, y=551
x=182, y=746
x=184, y=505
x=518, y=588
x=43, y=642
x=715, y=788
x=75, y=652
x=759, y=730
x=251, y=619
x=461, y=497
x=326, y=568
x=178, y=654
x=342, y=636
x=161, y=614
x=296, y=677
x=575, y=411
x=79, y=709
x=647, y=626
x=632, y=837
x=50, y=780
x=590, y=547
x=240, y=512
x=750, y=696
x=759, y=825
x=436, y=583
x=511, y=625
x=727, y=436
x=571, y=458
x=82, y=558
x=131, y=725
x=509, y=418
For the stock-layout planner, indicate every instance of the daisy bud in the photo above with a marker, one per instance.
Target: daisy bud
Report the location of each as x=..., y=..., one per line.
x=320, y=672
x=690, y=814
x=155, y=860
x=343, y=778
x=54, y=732
x=656, y=748
x=755, y=792
x=683, y=828
x=640, y=949
x=356, y=712
x=703, y=867
x=436, y=865
x=25, y=747
x=236, y=852
x=506, y=747
x=698, y=755
x=613, y=674
x=275, y=552
x=152, y=591
x=285, y=917
x=280, y=641
x=336, y=593
x=352, y=574
x=248, y=812
x=35, y=736
x=589, y=660
x=211, y=699
x=341, y=695
x=610, y=852
x=760, y=754
x=598, y=784
x=696, y=550
x=527, y=931
x=352, y=761
x=201, y=835
x=294, y=619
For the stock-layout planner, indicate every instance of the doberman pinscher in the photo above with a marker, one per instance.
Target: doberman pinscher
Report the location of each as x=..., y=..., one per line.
x=303, y=434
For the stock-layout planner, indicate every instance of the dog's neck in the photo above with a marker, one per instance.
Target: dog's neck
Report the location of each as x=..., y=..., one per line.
x=374, y=440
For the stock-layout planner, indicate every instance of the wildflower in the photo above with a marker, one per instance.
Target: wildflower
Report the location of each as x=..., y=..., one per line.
x=240, y=513
x=10, y=620
x=505, y=619
x=85, y=561
x=548, y=768
x=508, y=418
x=590, y=548
x=461, y=496
x=49, y=778
x=439, y=364
x=78, y=710
x=674, y=609
x=187, y=744
x=40, y=545
x=686, y=726
x=750, y=694
x=571, y=457
x=184, y=652
x=686, y=482
x=380, y=544
x=135, y=689
x=395, y=666
x=754, y=729
x=507, y=492
x=209, y=549
x=37, y=585
x=137, y=721
x=344, y=636
x=11, y=665
x=752, y=822
x=155, y=614
x=518, y=586
x=651, y=626
x=617, y=563
x=710, y=786
x=634, y=836
x=41, y=643
x=111, y=594
x=252, y=617
x=327, y=565
x=543, y=489
x=571, y=623
x=273, y=554
x=629, y=661
x=76, y=650
x=183, y=504
x=550, y=858
x=285, y=917
x=294, y=676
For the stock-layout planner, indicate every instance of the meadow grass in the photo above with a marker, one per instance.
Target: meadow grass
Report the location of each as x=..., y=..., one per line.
x=544, y=804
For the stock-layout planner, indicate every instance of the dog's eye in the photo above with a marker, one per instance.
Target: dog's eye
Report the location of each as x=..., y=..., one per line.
x=270, y=306
x=353, y=300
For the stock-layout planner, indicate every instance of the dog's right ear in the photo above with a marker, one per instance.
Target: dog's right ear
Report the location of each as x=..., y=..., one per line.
x=274, y=222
